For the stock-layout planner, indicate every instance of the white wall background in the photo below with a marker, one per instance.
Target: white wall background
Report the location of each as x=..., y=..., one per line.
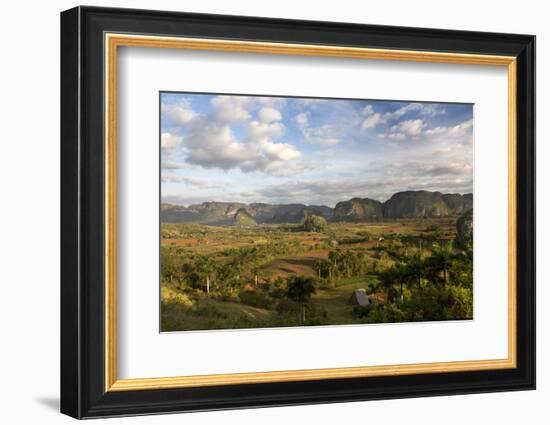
x=29, y=212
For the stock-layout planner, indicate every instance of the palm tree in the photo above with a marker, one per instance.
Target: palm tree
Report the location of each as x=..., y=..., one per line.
x=335, y=257
x=415, y=267
x=441, y=258
x=388, y=279
x=319, y=266
x=300, y=289
x=206, y=265
x=256, y=272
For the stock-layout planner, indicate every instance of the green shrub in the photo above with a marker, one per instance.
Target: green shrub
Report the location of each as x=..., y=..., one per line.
x=314, y=223
x=256, y=299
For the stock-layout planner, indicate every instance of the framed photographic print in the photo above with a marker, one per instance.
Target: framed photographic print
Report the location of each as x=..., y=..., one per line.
x=261, y=212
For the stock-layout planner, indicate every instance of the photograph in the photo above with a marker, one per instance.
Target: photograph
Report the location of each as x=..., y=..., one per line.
x=286, y=210
x=281, y=211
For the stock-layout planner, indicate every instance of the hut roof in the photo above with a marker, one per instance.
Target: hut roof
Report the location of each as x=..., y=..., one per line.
x=359, y=297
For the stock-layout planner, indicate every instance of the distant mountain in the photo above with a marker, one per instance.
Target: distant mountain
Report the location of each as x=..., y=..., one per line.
x=408, y=204
x=422, y=203
x=207, y=213
x=358, y=209
x=458, y=203
x=242, y=218
x=416, y=204
x=286, y=213
x=465, y=228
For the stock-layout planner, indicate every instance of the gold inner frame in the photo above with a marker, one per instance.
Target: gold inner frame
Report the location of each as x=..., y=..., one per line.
x=113, y=41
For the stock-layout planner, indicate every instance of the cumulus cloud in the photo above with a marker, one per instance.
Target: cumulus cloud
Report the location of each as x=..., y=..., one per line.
x=376, y=118
x=279, y=151
x=180, y=112
x=427, y=109
x=229, y=137
x=231, y=108
x=460, y=130
x=268, y=114
x=409, y=127
x=168, y=140
x=417, y=129
x=373, y=120
x=213, y=144
x=275, y=159
x=368, y=110
x=258, y=130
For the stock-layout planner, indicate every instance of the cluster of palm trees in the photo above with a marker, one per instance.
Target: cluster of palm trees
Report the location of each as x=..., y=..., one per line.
x=442, y=267
x=341, y=264
x=224, y=271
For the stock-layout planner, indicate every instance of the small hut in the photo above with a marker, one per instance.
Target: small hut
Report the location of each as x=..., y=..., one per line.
x=360, y=297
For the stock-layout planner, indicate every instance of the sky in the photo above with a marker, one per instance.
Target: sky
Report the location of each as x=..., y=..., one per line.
x=311, y=151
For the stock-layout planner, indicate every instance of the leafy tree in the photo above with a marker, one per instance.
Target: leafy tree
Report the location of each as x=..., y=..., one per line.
x=191, y=274
x=314, y=223
x=461, y=270
x=322, y=267
x=169, y=268
x=300, y=289
x=388, y=280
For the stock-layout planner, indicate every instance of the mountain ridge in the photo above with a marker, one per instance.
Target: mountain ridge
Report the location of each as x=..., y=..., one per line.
x=404, y=204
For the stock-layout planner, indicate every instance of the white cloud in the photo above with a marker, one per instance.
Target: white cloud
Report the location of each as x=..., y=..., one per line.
x=427, y=109
x=231, y=108
x=212, y=140
x=302, y=119
x=462, y=129
x=444, y=138
x=368, y=110
x=409, y=127
x=396, y=136
x=325, y=135
x=168, y=140
x=213, y=145
x=257, y=130
x=375, y=118
x=372, y=121
x=269, y=114
x=279, y=151
x=181, y=113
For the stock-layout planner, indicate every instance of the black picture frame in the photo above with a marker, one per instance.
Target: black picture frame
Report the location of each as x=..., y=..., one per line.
x=83, y=392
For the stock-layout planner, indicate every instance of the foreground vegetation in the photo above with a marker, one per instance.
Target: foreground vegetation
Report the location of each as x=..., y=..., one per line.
x=292, y=275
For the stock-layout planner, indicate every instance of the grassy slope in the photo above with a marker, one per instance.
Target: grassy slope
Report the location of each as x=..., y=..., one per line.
x=179, y=315
x=214, y=315
x=336, y=300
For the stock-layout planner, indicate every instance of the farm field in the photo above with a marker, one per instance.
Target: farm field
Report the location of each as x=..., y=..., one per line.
x=272, y=275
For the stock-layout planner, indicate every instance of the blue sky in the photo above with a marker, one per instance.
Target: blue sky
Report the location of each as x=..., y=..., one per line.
x=312, y=151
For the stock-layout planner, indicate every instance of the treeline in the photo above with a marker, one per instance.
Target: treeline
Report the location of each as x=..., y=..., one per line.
x=341, y=264
x=418, y=287
x=224, y=273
